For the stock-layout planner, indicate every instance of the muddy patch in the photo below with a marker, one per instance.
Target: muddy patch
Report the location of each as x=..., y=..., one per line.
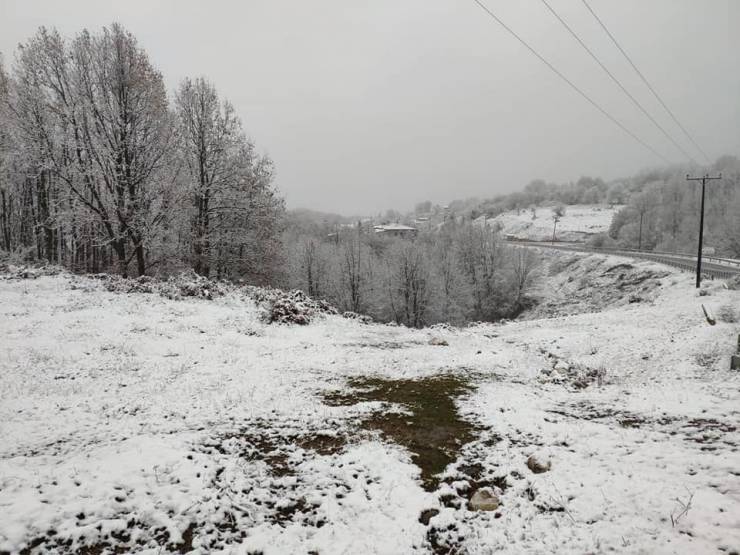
x=388, y=345
x=280, y=491
x=710, y=432
x=430, y=426
x=261, y=439
x=585, y=410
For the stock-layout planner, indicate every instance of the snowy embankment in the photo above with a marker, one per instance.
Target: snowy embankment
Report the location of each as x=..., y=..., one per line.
x=577, y=224
x=138, y=423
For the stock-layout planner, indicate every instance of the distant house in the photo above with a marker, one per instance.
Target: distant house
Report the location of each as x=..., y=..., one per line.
x=395, y=230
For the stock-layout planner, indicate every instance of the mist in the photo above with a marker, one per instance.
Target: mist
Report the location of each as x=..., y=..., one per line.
x=367, y=106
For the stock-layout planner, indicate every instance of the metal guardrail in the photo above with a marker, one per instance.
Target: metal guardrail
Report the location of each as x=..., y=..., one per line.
x=714, y=267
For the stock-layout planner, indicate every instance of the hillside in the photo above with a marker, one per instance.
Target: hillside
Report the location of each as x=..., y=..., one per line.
x=578, y=224
x=192, y=425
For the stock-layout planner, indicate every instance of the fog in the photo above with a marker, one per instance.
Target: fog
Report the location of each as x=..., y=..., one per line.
x=366, y=106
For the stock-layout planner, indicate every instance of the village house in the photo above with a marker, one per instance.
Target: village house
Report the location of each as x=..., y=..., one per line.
x=396, y=230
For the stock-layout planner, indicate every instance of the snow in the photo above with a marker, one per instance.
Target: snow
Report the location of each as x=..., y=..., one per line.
x=577, y=224
x=134, y=416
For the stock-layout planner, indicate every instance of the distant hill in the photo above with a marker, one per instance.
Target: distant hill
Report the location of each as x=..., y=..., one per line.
x=306, y=218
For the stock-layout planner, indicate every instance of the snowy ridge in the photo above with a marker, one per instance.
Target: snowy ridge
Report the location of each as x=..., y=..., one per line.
x=577, y=224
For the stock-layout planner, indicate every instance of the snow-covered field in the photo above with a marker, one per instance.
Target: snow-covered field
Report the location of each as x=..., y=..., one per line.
x=578, y=223
x=134, y=423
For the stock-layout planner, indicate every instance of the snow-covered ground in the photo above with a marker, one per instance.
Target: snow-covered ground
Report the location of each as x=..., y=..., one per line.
x=578, y=223
x=142, y=424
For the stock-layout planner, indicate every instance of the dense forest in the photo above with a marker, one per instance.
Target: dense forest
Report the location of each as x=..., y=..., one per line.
x=100, y=170
x=459, y=273
x=663, y=208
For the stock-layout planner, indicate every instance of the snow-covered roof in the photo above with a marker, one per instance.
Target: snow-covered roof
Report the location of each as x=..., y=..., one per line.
x=393, y=227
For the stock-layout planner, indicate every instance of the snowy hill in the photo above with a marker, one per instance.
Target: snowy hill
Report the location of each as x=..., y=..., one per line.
x=578, y=223
x=138, y=423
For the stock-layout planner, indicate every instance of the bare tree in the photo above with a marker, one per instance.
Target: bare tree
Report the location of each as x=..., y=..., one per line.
x=409, y=288
x=353, y=259
x=5, y=154
x=210, y=134
x=525, y=265
x=96, y=112
x=643, y=204
x=480, y=256
x=558, y=211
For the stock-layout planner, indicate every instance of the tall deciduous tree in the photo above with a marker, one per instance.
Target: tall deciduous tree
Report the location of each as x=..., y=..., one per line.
x=95, y=113
x=233, y=207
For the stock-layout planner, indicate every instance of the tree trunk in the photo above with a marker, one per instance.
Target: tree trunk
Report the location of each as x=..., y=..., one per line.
x=119, y=245
x=140, y=259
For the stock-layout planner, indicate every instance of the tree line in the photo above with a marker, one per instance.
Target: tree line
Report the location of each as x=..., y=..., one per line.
x=663, y=211
x=460, y=273
x=659, y=208
x=100, y=170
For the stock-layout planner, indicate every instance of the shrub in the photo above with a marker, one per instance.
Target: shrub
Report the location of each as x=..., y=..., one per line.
x=601, y=241
x=728, y=313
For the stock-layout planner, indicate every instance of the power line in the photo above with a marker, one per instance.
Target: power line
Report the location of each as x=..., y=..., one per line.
x=617, y=81
x=570, y=83
x=647, y=83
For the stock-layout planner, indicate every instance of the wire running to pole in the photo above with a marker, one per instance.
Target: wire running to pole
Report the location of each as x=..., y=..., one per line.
x=618, y=82
x=569, y=82
x=647, y=83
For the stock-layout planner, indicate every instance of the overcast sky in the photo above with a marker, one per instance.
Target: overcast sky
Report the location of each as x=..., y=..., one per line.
x=370, y=105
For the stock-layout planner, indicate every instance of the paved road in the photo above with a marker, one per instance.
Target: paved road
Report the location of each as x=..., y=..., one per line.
x=721, y=268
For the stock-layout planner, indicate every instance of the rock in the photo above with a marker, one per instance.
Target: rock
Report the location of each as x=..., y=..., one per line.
x=561, y=366
x=538, y=466
x=428, y=515
x=735, y=362
x=438, y=341
x=484, y=500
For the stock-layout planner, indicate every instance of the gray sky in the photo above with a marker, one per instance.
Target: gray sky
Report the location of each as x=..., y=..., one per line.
x=370, y=105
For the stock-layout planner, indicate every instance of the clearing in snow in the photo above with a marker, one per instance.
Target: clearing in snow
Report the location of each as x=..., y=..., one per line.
x=579, y=222
x=133, y=422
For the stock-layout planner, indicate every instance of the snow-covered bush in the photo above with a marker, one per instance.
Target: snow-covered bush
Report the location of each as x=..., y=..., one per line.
x=728, y=313
x=364, y=318
x=11, y=271
x=708, y=357
x=190, y=284
x=186, y=284
x=294, y=307
x=601, y=241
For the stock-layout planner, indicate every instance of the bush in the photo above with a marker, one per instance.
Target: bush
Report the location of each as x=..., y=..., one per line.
x=707, y=358
x=11, y=271
x=601, y=241
x=293, y=308
x=186, y=284
x=728, y=313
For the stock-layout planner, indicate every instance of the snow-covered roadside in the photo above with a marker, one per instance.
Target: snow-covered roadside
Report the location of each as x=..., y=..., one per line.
x=137, y=421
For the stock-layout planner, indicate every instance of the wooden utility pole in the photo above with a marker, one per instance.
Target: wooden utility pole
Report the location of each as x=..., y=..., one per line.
x=703, y=180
